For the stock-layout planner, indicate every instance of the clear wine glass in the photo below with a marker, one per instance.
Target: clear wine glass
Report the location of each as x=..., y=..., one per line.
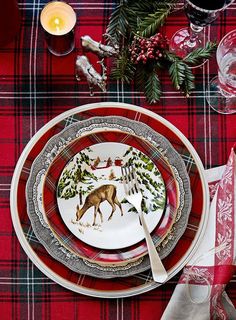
x=221, y=94
x=200, y=14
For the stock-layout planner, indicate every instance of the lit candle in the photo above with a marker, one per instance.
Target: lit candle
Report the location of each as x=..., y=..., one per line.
x=56, y=24
x=58, y=20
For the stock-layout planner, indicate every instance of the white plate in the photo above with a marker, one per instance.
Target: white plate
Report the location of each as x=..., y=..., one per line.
x=99, y=167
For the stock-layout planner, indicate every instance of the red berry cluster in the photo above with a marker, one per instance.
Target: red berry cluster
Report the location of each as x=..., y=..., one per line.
x=144, y=49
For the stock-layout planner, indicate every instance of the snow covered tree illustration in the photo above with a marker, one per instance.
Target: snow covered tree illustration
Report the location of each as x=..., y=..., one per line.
x=75, y=178
x=145, y=170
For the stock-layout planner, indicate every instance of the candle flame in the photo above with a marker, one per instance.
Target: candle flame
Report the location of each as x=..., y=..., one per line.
x=56, y=24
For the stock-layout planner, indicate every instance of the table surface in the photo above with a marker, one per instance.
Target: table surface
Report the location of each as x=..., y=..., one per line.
x=34, y=88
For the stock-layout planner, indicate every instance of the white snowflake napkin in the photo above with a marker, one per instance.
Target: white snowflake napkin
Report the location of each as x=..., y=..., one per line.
x=200, y=294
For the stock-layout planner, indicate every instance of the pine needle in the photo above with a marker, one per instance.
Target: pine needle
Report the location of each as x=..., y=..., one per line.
x=119, y=23
x=198, y=55
x=140, y=77
x=181, y=75
x=152, y=89
x=188, y=83
x=124, y=68
x=151, y=23
x=177, y=73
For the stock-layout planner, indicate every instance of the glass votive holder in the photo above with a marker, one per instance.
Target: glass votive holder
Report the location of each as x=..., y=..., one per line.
x=58, y=20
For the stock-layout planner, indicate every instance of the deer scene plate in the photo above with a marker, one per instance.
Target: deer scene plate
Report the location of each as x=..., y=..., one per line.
x=55, y=145
x=79, y=280
x=120, y=256
x=91, y=196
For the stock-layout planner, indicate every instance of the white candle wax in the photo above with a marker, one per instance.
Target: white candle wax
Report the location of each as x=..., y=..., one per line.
x=58, y=18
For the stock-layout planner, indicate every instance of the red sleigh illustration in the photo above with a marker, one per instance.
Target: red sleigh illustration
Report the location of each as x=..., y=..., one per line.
x=95, y=166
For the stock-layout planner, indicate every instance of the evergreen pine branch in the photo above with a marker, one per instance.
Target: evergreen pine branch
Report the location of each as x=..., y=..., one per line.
x=188, y=83
x=142, y=8
x=170, y=56
x=170, y=3
x=133, y=19
x=152, y=89
x=140, y=4
x=181, y=75
x=139, y=10
x=140, y=76
x=124, y=68
x=144, y=18
x=177, y=73
x=153, y=21
x=195, y=57
x=119, y=23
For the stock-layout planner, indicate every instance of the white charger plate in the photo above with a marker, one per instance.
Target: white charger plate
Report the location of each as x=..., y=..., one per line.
x=130, y=287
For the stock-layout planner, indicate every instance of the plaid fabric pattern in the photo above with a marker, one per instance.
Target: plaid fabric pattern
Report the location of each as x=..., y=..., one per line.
x=36, y=87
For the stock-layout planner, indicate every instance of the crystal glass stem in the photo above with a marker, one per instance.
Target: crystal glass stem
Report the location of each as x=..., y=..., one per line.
x=194, y=32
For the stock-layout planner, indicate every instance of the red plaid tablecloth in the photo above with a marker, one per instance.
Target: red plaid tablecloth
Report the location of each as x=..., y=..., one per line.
x=35, y=87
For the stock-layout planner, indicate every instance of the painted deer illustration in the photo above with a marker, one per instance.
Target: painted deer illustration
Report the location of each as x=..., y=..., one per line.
x=94, y=199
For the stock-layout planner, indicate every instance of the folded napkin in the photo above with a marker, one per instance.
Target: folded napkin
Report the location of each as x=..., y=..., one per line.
x=200, y=293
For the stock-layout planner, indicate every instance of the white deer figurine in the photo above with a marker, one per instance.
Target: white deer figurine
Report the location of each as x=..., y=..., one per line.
x=94, y=199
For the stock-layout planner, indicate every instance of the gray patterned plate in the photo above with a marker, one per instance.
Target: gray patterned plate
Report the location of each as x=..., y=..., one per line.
x=53, y=148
